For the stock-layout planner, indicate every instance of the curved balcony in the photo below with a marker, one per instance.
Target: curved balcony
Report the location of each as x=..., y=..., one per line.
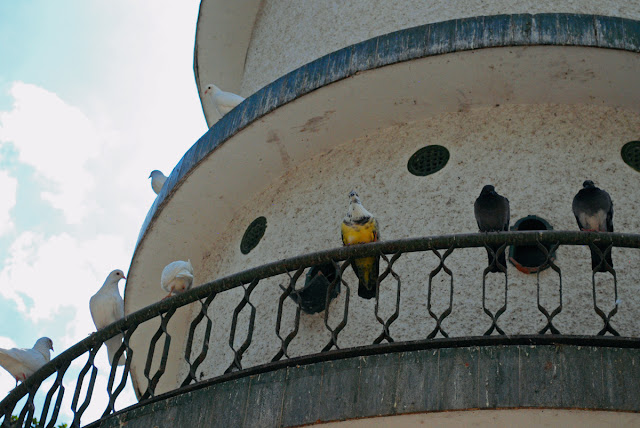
x=502, y=366
x=311, y=116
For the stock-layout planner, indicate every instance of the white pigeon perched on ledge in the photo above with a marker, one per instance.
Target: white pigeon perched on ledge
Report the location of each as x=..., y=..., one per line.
x=223, y=101
x=106, y=308
x=177, y=277
x=157, y=180
x=23, y=362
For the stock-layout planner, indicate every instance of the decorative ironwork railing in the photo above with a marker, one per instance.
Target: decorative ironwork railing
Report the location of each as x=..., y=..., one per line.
x=336, y=261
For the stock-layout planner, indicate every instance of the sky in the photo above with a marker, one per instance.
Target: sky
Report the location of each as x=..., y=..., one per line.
x=94, y=95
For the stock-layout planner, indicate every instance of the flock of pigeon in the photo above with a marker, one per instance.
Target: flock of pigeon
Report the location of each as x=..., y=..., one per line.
x=223, y=102
x=592, y=208
x=107, y=305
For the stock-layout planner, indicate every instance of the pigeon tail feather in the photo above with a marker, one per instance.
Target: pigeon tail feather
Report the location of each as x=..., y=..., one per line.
x=113, y=345
x=367, y=270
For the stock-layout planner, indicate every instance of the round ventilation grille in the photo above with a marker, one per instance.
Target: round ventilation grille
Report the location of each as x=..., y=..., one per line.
x=253, y=235
x=428, y=160
x=631, y=154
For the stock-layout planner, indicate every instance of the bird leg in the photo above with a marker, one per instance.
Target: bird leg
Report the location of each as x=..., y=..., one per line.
x=167, y=296
x=21, y=378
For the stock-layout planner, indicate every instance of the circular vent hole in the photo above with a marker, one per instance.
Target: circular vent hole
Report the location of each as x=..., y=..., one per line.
x=428, y=160
x=631, y=154
x=530, y=258
x=253, y=235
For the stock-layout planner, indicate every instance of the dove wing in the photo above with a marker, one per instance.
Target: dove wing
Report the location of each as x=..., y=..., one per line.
x=10, y=363
x=18, y=361
x=229, y=100
x=118, y=308
x=507, y=218
x=106, y=309
x=168, y=274
x=226, y=101
x=610, y=215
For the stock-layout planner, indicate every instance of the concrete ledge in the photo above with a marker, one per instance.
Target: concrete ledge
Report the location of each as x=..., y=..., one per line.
x=479, y=377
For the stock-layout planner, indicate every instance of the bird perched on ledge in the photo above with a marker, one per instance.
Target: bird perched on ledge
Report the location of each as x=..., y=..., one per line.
x=223, y=101
x=360, y=227
x=157, y=180
x=106, y=308
x=493, y=215
x=593, y=209
x=22, y=362
x=177, y=277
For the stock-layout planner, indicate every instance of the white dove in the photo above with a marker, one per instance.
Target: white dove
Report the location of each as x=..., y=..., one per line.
x=23, y=362
x=223, y=101
x=177, y=277
x=157, y=180
x=108, y=307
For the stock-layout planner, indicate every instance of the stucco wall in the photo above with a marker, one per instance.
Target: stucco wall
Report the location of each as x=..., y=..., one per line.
x=497, y=418
x=287, y=35
x=536, y=155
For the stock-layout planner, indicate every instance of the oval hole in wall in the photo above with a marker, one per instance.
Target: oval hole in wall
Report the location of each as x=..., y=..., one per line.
x=253, y=235
x=530, y=258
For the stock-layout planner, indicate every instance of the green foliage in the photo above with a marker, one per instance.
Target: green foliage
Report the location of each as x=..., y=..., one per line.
x=34, y=423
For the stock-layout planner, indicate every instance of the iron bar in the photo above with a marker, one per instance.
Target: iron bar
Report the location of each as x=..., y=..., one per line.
x=191, y=376
x=286, y=292
x=547, y=241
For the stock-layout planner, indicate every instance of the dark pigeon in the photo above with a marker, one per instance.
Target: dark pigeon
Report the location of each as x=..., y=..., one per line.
x=593, y=209
x=493, y=215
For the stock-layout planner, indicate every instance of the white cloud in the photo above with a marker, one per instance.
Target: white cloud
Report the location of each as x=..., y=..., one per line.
x=57, y=140
x=93, y=150
x=7, y=342
x=59, y=273
x=9, y=186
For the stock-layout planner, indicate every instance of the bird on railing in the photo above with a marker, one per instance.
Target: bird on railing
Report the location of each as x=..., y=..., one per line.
x=360, y=227
x=106, y=308
x=157, y=180
x=593, y=209
x=223, y=101
x=493, y=215
x=23, y=362
x=177, y=277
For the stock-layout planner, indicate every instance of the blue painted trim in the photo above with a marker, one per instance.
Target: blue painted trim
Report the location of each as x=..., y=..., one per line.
x=557, y=29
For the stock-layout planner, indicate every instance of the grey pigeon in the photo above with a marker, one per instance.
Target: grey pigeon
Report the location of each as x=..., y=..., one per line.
x=492, y=215
x=593, y=209
x=106, y=308
x=157, y=180
x=22, y=363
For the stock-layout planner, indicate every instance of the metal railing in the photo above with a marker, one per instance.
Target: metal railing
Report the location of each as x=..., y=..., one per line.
x=390, y=252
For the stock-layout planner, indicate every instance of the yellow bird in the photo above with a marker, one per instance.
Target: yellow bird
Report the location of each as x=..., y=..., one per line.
x=360, y=227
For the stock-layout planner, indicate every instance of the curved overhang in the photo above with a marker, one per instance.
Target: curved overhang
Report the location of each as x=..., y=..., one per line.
x=399, y=77
x=232, y=22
